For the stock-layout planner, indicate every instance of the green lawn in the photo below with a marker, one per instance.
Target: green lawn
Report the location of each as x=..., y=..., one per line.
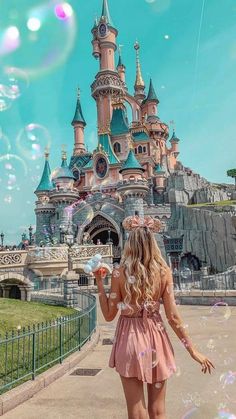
x=14, y=313
x=213, y=204
x=32, y=349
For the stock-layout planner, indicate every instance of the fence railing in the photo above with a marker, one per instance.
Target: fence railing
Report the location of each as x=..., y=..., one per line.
x=196, y=281
x=30, y=351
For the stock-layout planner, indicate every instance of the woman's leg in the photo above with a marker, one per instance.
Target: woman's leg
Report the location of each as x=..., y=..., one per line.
x=156, y=400
x=135, y=400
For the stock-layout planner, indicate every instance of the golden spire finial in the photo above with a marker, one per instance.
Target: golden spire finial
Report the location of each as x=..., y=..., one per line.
x=139, y=79
x=46, y=152
x=63, y=152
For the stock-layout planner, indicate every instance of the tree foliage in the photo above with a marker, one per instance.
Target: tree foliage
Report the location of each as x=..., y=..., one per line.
x=231, y=172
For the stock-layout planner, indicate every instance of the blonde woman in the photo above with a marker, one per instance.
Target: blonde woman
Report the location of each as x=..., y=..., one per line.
x=142, y=351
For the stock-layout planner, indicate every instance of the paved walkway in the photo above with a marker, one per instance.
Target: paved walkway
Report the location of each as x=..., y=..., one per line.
x=190, y=393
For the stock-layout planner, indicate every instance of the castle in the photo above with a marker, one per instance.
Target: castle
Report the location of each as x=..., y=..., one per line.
x=134, y=168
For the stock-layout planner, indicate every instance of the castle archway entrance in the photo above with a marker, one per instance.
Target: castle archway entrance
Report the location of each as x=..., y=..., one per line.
x=101, y=231
x=190, y=261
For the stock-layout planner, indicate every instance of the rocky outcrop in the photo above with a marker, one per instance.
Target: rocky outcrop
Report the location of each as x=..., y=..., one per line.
x=187, y=187
x=208, y=235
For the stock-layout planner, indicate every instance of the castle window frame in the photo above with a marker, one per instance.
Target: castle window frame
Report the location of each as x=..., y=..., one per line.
x=144, y=149
x=140, y=149
x=117, y=147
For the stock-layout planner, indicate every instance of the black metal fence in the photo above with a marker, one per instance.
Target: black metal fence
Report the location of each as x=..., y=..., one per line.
x=30, y=351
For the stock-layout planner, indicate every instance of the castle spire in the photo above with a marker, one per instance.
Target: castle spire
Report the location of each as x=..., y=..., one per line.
x=106, y=13
x=139, y=83
x=151, y=97
x=45, y=184
x=79, y=124
x=121, y=66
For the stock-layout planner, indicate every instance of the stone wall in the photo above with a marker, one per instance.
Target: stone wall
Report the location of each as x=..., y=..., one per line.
x=208, y=235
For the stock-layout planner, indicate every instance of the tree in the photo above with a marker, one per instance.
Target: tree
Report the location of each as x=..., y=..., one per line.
x=232, y=173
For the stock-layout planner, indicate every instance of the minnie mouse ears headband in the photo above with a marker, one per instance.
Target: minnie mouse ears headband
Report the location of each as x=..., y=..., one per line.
x=133, y=222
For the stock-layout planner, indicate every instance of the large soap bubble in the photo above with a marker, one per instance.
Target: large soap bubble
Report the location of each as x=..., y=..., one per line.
x=37, y=39
x=32, y=141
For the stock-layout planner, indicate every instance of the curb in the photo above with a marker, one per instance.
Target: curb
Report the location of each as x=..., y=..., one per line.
x=25, y=391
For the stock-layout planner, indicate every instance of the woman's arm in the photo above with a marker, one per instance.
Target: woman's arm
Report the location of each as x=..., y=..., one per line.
x=108, y=304
x=172, y=313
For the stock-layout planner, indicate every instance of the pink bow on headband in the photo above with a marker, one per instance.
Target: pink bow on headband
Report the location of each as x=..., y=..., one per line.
x=130, y=223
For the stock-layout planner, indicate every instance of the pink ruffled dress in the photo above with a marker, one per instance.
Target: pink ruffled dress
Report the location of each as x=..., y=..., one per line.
x=142, y=348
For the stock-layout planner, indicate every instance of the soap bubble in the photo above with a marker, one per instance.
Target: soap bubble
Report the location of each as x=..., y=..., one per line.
x=122, y=306
x=185, y=273
x=16, y=82
x=228, y=381
x=32, y=141
x=220, y=312
x=148, y=358
x=116, y=273
x=131, y=279
x=190, y=413
x=5, y=101
x=5, y=145
x=35, y=36
x=12, y=171
x=84, y=212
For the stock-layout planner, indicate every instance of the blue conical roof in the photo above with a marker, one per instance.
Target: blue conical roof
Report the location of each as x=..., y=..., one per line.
x=45, y=183
x=131, y=163
x=151, y=97
x=174, y=138
x=106, y=13
x=78, y=117
x=159, y=169
x=119, y=123
x=120, y=62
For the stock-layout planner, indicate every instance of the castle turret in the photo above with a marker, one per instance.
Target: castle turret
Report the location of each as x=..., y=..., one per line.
x=159, y=174
x=121, y=68
x=149, y=105
x=44, y=208
x=134, y=187
x=79, y=124
x=174, y=144
x=139, y=86
x=108, y=84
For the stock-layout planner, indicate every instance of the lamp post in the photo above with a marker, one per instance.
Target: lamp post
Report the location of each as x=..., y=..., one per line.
x=30, y=234
x=109, y=240
x=69, y=239
x=2, y=238
x=62, y=235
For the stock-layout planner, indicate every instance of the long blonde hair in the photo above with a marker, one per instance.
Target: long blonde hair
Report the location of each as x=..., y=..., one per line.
x=144, y=264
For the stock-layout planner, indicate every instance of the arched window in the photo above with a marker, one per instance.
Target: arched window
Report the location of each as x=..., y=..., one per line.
x=144, y=149
x=117, y=148
x=135, y=150
x=140, y=149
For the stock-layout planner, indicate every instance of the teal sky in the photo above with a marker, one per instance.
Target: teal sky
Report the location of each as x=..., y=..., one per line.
x=188, y=47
